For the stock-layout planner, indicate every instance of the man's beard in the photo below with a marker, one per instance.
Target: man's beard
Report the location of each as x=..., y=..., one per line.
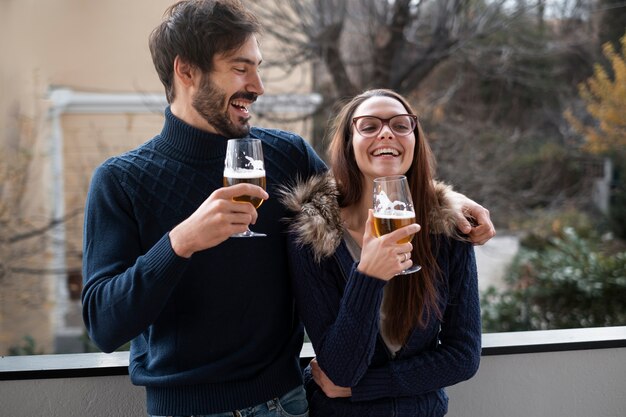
x=208, y=103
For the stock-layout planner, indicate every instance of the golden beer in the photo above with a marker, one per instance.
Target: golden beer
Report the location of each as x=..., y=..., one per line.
x=255, y=177
x=387, y=223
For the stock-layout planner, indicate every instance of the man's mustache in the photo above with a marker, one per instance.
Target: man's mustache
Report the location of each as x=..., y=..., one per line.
x=245, y=96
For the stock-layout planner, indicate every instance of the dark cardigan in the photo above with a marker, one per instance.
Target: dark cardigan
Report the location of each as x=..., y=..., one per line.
x=340, y=310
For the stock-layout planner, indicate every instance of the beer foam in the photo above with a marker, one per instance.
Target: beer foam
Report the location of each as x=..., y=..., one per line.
x=244, y=173
x=396, y=214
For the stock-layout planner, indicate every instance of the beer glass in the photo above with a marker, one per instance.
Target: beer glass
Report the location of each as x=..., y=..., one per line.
x=244, y=163
x=393, y=209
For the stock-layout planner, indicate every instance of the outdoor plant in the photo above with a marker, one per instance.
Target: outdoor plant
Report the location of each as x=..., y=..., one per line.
x=604, y=95
x=568, y=282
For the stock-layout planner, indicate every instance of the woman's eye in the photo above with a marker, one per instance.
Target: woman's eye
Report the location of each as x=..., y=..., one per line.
x=401, y=128
x=368, y=128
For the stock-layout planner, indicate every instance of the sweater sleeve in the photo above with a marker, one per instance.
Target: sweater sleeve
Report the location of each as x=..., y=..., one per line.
x=457, y=356
x=124, y=286
x=342, y=323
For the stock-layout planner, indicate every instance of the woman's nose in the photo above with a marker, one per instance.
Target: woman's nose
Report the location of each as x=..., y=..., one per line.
x=385, y=132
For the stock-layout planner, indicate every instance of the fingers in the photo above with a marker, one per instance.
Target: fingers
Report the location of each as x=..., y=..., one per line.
x=463, y=223
x=482, y=228
x=404, y=234
x=474, y=221
x=316, y=372
x=326, y=384
x=244, y=213
x=404, y=257
x=482, y=234
x=386, y=256
x=370, y=232
x=485, y=229
x=479, y=213
x=369, y=223
x=217, y=218
x=241, y=189
x=227, y=211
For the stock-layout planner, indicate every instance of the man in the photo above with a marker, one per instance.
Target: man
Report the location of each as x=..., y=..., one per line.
x=211, y=319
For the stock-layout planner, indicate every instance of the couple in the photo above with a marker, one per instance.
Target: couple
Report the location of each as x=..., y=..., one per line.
x=213, y=320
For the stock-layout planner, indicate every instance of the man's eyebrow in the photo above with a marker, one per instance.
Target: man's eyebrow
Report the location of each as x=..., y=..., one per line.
x=243, y=60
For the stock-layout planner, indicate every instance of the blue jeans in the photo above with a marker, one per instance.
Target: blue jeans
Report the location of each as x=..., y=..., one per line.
x=292, y=404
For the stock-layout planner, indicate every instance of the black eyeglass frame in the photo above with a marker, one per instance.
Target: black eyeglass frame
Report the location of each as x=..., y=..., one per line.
x=384, y=122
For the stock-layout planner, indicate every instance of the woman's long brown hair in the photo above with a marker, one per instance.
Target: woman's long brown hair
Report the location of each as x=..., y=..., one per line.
x=412, y=299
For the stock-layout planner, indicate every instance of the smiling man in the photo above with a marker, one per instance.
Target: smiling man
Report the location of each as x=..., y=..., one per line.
x=211, y=319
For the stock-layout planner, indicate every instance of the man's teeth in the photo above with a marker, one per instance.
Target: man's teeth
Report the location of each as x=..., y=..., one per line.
x=386, y=151
x=240, y=105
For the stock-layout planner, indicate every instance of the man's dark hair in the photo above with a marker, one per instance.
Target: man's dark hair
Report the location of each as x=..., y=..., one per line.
x=197, y=30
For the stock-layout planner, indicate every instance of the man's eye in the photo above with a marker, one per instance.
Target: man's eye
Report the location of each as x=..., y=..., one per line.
x=240, y=70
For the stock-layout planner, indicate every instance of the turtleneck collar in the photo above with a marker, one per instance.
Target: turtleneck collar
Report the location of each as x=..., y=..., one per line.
x=190, y=143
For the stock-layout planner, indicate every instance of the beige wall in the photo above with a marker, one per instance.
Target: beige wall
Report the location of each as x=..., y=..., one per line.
x=88, y=45
x=91, y=46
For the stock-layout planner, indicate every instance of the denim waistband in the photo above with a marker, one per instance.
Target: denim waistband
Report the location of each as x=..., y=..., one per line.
x=268, y=408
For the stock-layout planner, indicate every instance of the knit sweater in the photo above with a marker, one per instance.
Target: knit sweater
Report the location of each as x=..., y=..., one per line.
x=212, y=333
x=340, y=308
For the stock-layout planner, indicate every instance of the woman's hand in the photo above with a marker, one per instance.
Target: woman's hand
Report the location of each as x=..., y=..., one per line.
x=383, y=257
x=330, y=389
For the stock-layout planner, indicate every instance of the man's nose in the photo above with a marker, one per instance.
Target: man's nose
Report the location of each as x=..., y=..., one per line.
x=255, y=85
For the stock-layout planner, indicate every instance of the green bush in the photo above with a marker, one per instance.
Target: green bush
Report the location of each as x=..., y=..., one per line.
x=569, y=282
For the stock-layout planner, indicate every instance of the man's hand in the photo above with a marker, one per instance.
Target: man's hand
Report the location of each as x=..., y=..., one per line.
x=330, y=389
x=217, y=218
x=473, y=220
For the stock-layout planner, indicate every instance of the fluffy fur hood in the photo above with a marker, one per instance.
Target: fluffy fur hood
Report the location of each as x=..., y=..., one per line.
x=317, y=220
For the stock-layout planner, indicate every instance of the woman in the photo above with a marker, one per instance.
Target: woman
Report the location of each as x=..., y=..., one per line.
x=385, y=344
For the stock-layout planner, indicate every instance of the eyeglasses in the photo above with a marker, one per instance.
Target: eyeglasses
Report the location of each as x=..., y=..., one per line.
x=400, y=124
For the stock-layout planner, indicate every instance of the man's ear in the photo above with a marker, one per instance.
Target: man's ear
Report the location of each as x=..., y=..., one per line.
x=185, y=72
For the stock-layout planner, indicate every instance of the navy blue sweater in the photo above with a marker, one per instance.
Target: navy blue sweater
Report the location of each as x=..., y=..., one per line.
x=340, y=310
x=212, y=333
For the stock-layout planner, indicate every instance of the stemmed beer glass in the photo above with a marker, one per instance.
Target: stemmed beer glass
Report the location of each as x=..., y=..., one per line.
x=393, y=209
x=244, y=163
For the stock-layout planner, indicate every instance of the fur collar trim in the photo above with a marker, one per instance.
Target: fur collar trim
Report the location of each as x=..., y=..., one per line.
x=317, y=221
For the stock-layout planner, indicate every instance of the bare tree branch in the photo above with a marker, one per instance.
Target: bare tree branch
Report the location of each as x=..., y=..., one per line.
x=38, y=232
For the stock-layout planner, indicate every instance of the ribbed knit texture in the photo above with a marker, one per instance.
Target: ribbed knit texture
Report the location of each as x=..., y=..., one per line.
x=216, y=332
x=340, y=310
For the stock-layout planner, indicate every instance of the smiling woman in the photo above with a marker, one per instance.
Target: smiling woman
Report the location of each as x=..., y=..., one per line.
x=409, y=323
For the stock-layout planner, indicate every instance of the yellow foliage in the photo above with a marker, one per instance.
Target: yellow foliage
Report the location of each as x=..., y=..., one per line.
x=605, y=100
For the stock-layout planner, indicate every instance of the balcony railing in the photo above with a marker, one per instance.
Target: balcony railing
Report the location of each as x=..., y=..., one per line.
x=556, y=373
